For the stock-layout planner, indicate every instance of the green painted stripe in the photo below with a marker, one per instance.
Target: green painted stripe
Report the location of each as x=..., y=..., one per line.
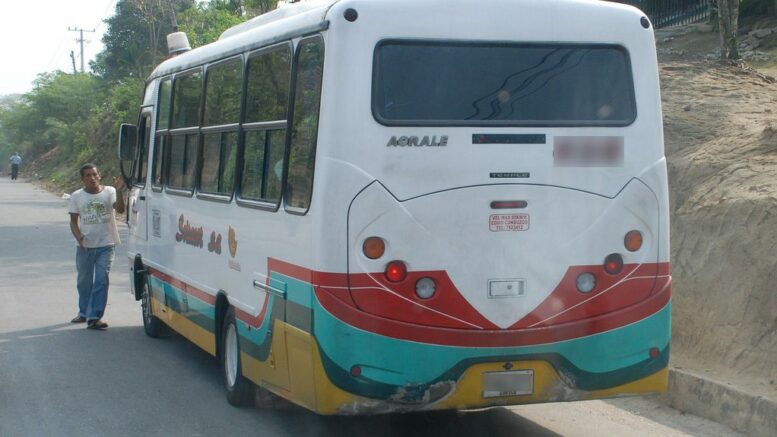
x=187, y=306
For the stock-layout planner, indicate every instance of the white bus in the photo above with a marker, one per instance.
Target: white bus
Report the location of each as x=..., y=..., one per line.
x=370, y=206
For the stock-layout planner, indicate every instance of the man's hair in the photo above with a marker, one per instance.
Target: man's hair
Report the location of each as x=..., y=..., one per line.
x=86, y=167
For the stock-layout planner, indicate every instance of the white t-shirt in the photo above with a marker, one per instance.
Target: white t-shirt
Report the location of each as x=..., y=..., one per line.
x=96, y=216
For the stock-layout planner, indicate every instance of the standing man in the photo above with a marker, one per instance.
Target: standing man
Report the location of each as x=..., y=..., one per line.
x=93, y=224
x=16, y=161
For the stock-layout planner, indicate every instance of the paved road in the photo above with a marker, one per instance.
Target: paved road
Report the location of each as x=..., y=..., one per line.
x=58, y=379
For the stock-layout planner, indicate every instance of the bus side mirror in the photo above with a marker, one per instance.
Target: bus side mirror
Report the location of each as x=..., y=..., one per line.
x=128, y=139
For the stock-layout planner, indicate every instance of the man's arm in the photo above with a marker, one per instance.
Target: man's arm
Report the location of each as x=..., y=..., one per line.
x=76, y=230
x=118, y=184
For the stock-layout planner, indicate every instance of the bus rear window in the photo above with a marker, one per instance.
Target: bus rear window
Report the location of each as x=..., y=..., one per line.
x=424, y=83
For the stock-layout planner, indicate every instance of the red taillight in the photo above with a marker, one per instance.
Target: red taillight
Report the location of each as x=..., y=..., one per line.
x=396, y=271
x=613, y=264
x=356, y=371
x=654, y=353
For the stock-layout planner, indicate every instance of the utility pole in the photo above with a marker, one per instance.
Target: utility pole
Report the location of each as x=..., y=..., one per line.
x=81, y=41
x=73, y=58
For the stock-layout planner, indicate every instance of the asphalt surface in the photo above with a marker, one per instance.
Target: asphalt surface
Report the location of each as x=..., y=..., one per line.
x=60, y=379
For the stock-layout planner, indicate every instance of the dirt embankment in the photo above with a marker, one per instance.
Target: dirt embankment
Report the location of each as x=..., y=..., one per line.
x=720, y=126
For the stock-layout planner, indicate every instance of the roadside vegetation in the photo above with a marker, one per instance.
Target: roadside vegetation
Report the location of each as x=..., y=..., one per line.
x=69, y=118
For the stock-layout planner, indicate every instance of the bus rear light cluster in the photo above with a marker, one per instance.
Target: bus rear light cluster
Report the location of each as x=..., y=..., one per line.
x=396, y=271
x=586, y=281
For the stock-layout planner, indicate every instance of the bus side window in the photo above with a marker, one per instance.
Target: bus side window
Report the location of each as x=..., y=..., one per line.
x=156, y=170
x=223, y=92
x=162, y=138
x=304, y=128
x=144, y=135
x=267, y=97
x=184, y=134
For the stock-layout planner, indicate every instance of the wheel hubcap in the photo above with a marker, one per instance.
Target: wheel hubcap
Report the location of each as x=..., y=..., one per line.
x=230, y=353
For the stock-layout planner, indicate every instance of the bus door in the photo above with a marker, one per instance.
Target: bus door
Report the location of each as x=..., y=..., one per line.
x=138, y=213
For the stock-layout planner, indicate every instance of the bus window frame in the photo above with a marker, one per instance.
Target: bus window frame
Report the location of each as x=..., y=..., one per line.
x=266, y=126
x=158, y=188
x=141, y=158
x=163, y=134
x=226, y=128
x=292, y=97
x=496, y=123
x=185, y=131
x=229, y=127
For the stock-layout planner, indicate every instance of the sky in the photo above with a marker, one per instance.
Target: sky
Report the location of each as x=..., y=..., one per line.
x=34, y=38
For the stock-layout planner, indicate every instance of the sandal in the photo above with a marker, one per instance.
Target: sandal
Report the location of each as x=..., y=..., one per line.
x=78, y=319
x=97, y=324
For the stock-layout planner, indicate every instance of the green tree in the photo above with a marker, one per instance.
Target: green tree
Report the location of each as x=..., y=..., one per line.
x=134, y=41
x=204, y=23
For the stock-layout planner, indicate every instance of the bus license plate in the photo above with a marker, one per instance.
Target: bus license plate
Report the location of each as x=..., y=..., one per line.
x=512, y=383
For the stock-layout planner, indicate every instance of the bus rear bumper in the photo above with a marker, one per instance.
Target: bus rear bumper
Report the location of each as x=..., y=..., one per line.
x=364, y=373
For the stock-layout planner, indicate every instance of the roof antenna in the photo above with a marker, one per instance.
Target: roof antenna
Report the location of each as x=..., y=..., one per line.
x=177, y=42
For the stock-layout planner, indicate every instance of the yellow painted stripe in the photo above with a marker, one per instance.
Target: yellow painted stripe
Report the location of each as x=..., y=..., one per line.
x=273, y=373
x=193, y=332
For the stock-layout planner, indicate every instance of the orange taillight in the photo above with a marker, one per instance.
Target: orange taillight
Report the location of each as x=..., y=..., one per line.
x=633, y=241
x=373, y=247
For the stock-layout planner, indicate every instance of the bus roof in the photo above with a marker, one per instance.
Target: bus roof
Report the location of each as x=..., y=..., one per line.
x=299, y=19
x=295, y=19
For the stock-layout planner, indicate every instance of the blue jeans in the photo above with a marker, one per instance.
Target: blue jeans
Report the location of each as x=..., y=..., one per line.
x=93, y=266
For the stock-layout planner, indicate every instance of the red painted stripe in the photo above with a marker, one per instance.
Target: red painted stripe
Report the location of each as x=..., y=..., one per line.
x=372, y=293
x=253, y=321
x=186, y=288
x=494, y=338
x=639, y=291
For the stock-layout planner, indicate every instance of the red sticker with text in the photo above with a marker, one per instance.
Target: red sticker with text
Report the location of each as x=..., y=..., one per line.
x=508, y=222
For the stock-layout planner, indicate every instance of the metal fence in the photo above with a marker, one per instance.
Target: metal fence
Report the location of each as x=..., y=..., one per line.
x=664, y=13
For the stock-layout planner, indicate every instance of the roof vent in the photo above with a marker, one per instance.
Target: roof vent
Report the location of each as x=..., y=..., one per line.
x=177, y=43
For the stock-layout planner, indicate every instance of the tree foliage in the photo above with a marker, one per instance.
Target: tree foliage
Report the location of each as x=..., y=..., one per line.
x=204, y=23
x=135, y=38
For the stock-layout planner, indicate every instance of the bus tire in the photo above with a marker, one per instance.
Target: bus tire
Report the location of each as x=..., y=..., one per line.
x=240, y=391
x=153, y=327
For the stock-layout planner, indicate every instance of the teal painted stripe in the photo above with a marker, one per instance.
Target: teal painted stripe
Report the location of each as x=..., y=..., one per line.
x=192, y=308
x=256, y=342
x=297, y=291
x=395, y=361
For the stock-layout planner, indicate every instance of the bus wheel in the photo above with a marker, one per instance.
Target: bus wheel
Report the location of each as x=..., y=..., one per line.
x=151, y=324
x=240, y=391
